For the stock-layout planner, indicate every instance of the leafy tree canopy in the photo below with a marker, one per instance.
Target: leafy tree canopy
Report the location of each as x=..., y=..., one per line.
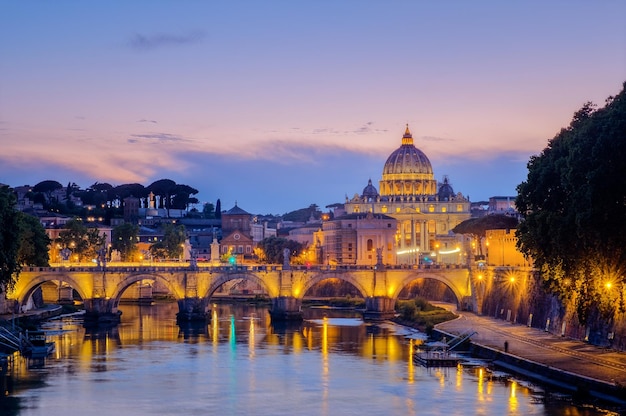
x=34, y=242
x=124, y=239
x=47, y=188
x=477, y=227
x=271, y=249
x=83, y=242
x=574, y=203
x=172, y=244
x=303, y=214
x=9, y=240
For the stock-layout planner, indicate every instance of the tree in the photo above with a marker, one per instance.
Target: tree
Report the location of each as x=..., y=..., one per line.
x=208, y=211
x=270, y=250
x=182, y=197
x=573, y=203
x=84, y=243
x=165, y=189
x=47, y=188
x=9, y=240
x=218, y=209
x=303, y=214
x=124, y=239
x=130, y=189
x=71, y=190
x=34, y=242
x=97, y=196
x=477, y=227
x=172, y=244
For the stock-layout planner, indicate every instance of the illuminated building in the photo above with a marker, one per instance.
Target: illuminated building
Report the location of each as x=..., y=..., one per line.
x=426, y=211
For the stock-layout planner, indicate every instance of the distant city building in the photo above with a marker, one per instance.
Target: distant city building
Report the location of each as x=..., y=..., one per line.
x=501, y=249
x=502, y=205
x=236, y=232
x=363, y=239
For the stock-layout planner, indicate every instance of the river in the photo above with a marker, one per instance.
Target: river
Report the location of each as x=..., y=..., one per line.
x=240, y=364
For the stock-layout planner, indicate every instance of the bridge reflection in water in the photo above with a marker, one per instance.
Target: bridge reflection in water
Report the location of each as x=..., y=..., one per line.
x=242, y=363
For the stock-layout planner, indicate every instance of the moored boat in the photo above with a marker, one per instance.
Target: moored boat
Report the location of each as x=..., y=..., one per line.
x=436, y=354
x=38, y=345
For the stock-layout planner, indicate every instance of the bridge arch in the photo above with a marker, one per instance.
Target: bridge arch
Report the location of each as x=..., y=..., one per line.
x=26, y=292
x=227, y=277
x=453, y=284
x=345, y=276
x=120, y=288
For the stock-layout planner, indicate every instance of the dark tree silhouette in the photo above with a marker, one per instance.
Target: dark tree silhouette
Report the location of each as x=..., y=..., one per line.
x=574, y=203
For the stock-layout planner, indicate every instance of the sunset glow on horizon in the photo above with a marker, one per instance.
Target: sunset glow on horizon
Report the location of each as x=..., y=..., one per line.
x=279, y=105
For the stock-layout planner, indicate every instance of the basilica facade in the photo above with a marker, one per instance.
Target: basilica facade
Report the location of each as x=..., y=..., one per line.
x=425, y=210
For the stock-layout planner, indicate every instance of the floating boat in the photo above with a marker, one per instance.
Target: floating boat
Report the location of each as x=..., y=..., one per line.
x=436, y=354
x=38, y=345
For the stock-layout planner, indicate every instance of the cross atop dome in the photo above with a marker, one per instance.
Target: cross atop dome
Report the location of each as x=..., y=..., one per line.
x=407, y=138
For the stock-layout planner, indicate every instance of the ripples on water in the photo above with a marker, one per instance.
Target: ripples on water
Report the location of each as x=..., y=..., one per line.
x=241, y=364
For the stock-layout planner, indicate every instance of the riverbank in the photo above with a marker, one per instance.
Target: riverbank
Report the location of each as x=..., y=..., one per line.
x=570, y=366
x=34, y=315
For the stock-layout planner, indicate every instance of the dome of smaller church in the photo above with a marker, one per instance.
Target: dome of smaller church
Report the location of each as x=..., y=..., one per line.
x=445, y=190
x=369, y=192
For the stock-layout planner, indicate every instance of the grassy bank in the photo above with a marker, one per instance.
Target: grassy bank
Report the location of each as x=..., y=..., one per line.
x=336, y=302
x=420, y=314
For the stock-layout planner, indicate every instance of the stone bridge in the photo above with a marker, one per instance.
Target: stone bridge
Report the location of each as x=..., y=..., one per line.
x=101, y=288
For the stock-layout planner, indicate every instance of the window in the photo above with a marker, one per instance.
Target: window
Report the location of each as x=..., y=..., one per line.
x=370, y=245
x=459, y=207
x=444, y=209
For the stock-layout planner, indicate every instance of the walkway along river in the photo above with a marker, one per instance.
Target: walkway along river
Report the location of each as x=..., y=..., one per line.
x=240, y=364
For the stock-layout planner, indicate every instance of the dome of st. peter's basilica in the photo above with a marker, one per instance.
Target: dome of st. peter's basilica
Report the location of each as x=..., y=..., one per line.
x=407, y=172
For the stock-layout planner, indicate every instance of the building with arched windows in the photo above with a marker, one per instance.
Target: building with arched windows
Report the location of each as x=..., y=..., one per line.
x=424, y=209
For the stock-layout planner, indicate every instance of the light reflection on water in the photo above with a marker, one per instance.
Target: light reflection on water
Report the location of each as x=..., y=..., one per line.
x=240, y=364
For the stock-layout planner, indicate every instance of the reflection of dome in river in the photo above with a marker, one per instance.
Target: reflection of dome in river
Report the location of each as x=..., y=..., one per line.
x=407, y=172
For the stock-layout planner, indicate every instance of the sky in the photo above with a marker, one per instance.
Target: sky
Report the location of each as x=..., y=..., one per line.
x=277, y=105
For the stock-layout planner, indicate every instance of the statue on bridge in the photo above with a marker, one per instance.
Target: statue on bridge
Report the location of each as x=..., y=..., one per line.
x=286, y=255
x=379, y=258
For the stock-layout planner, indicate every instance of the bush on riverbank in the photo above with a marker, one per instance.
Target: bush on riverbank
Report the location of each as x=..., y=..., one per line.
x=420, y=314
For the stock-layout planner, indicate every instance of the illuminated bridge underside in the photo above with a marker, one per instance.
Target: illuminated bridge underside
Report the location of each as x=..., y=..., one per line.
x=102, y=290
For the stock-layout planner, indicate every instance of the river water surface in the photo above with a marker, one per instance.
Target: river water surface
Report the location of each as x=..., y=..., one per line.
x=240, y=364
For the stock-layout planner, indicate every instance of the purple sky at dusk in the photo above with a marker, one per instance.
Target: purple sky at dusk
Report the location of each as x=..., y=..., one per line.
x=281, y=104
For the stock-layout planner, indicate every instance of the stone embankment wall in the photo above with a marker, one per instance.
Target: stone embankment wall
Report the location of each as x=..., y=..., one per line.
x=529, y=304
